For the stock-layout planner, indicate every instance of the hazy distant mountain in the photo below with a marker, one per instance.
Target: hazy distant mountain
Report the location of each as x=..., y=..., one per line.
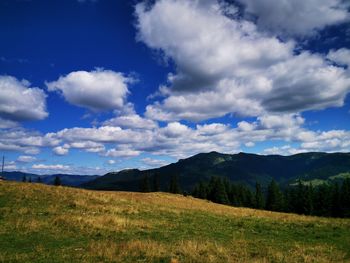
x=240, y=168
x=66, y=179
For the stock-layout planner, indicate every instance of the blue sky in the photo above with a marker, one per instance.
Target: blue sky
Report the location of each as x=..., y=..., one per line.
x=88, y=87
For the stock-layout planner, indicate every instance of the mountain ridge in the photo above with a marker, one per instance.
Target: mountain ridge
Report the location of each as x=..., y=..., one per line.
x=66, y=179
x=242, y=168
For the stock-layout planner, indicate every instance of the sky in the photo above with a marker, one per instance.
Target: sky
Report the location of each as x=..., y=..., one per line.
x=92, y=86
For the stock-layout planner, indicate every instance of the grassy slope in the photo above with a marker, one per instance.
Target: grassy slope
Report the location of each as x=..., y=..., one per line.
x=56, y=224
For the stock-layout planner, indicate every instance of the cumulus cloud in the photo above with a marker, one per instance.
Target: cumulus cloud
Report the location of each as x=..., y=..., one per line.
x=134, y=121
x=297, y=17
x=122, y=152
x=66, y=169
x=340, y=56
x=61, y=150
x=22, y=140
x=6, y=124
x=103, y=134
x=26, y=159
x=111, y=162
x=178, y=140
x=20, y=102
x=96, y=90
x=154, y=162
x=57, y=167
x=216, y=57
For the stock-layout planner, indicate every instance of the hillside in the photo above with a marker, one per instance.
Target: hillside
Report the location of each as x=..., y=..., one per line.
x=42, y=223
x=239, y=168
x=66, y=179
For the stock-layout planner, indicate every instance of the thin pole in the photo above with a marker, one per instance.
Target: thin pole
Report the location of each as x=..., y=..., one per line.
x=3, y=164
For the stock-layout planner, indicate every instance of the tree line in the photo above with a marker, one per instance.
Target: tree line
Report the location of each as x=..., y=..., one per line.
x=57, y=180
x=152, y=184
x=330, y=200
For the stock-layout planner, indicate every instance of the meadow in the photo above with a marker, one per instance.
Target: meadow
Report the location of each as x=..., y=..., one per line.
x=40, y=223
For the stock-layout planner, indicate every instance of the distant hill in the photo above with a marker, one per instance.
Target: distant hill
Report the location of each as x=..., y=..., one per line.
x=66, y=179
x=240, y=168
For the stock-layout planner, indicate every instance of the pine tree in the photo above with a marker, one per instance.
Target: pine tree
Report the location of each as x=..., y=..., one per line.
x=218, y=192
x=156, y=187
x=300, y=203
x=203, y=190
x=39, y=180
x=144, y=185
x=288, y=200
x=24, y=179
x=309, y=206
x=274, y=199
x=174, y=185
x=30, y=180
x=322, y=200
x=336, y=201
x=345, y=198
x=57, y=181
x=233, y=195
x=258, y=198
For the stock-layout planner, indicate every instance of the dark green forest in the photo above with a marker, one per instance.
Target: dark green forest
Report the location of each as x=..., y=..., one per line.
x=329, y=200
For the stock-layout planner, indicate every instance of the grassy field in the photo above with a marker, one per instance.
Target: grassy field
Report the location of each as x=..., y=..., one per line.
x=41, y=223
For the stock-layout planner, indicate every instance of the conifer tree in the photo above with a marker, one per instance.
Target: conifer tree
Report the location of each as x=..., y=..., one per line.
x=233, y=195
x=322, y=200
x=39, y=180
x=345, y=198
x=300, y=200
x=258, y=198
x=309, y=206
x=57, y=181
x=218, y=192
x=274, y=199
x=202, y=190
x=144, y=185
x=336, y=201
x=156, y=187
x=24, y=179
x=174, y=185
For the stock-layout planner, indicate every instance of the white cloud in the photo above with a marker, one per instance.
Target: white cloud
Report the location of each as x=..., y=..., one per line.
x=26, y=159
x=6, y=124
x=216, y=57
x=284, y=150
x=57, y=167
x=96, y=90
x=10, y=166
x=20, y=102
x=61, y=150
x=122, y=151
x=340, y=56
x=179, y=140
x=104, y=134
x=134, y=121
x=297, y=17
x=280, y=121
x=175, y=130
x=22, y=140
x=110, y=162
x=154, y=162
x=249, y=144
x=88, y=146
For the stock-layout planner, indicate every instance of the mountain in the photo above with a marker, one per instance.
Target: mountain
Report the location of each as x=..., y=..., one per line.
x=66, y=179
x=240, y=168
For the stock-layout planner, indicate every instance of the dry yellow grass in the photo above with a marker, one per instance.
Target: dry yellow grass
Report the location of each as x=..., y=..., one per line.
x=74, y=225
